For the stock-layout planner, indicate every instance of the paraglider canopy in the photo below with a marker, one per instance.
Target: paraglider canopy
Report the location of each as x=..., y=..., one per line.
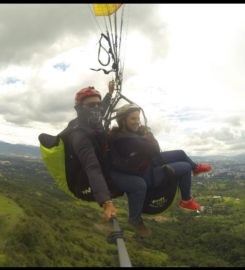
x=105, y=9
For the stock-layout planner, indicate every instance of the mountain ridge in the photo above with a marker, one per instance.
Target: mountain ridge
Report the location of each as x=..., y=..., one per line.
x=34, y=151
x=19, y=149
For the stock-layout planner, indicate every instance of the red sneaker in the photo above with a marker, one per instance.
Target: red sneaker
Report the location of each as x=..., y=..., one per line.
x=191, y=205
x=201, y=169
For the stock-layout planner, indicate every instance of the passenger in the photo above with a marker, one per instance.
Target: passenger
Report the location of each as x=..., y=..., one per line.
x=137, y=146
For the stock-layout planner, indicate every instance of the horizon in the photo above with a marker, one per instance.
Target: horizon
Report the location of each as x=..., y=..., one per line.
x=223, y=155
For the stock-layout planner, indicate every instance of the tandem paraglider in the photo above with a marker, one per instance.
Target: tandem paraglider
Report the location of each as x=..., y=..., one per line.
x=92, y=161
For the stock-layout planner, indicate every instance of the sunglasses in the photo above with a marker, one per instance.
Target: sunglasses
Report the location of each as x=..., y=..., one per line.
x=91, y=105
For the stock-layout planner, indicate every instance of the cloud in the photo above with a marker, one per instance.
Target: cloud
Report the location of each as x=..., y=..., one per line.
x=160, y=126
x=47, y=94
x=223, y=140
x=42, y=30
x=38, y=105
x=188, y=77
x=234, y=120
x=45, y=35
x=151, y=25
x=30, y=31
x=240, y=147
x=223, y=134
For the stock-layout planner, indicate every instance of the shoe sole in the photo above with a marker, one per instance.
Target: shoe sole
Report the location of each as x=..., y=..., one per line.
x=189, y=209
x=202, y=172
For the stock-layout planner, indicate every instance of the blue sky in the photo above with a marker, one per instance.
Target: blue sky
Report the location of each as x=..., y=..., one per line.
x=184, y=65
x=61, y=66
x=11, y=80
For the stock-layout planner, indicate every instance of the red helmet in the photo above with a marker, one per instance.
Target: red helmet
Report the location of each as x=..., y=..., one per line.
x=86, y=92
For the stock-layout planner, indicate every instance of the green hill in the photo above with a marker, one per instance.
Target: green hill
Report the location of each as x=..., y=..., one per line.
x=43, y=227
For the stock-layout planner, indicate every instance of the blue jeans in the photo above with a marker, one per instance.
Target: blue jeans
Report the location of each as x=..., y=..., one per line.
x=136, y=186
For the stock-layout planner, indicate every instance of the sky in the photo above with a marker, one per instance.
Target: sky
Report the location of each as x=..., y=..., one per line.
x=184, y=64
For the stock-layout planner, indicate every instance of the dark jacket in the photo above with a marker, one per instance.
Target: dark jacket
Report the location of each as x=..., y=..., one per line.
x=89, y=156
x=126, y=146
x=130, y=152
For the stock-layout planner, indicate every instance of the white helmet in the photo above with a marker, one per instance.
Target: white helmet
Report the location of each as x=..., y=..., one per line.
x=125, y=110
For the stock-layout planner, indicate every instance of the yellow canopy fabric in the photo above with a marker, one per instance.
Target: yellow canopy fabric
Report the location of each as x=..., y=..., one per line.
x=105, y=9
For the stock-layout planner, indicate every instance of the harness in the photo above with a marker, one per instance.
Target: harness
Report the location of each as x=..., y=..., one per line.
x=66, y=169
x=158, y=200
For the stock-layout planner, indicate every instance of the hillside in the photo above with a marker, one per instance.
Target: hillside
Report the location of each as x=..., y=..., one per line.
x=40, y=226
x=19, y=149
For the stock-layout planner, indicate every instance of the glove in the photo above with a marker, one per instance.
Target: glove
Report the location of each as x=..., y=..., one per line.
x=168, y=170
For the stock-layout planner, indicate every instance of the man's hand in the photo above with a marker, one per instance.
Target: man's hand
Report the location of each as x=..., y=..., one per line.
x=111, y=86
x=109, y=211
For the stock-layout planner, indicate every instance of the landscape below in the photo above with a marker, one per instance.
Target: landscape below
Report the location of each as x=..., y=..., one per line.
x=40, y=226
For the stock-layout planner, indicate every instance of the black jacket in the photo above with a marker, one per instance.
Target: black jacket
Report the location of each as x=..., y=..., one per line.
x=126, y=146
x=88, y=154
x=131, y=152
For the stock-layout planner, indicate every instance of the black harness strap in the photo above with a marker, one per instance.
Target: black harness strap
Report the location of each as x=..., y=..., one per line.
x=110, y=52
x=105, y=71
x=109, y=59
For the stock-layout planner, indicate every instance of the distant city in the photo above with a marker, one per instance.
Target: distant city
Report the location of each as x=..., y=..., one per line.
x=224, y=168
x=229, y=168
